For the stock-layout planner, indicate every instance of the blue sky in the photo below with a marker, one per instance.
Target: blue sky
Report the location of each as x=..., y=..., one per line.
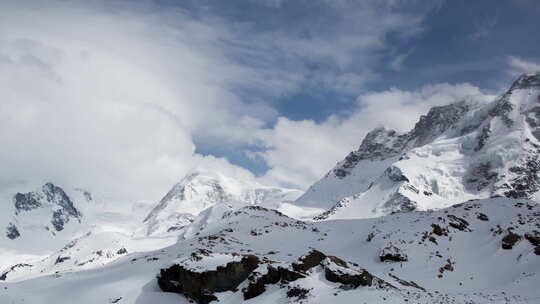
x=127, y=96
x=454, y=42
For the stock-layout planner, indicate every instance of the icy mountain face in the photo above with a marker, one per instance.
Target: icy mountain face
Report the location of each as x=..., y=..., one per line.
x=49, y=206
x=200, y=190
x=469, y=149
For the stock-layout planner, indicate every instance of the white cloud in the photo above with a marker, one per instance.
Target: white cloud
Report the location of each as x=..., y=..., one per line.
x=519, y=65
x=300, y=152
x=108, y=100
x=109, y=95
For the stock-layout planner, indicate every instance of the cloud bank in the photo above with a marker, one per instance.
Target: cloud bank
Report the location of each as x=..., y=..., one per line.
x=115, y=96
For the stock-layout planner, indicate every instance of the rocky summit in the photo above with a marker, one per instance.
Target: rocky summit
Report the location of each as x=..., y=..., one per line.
x=48, y=197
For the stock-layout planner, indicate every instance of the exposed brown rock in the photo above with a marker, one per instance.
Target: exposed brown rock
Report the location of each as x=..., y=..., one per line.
x=362, y=278
x=438, y=230
x=200, y=286
x=482, y=217
x=510, y=239
x=533, y=237
x=458, y=223
x=312, y=259
x=393, y=254
x=297, y=292
x=273, y=275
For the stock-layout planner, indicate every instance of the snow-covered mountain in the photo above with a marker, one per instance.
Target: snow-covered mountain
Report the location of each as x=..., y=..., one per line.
x=446, y=213
x=467, y=150
x=50, y=202
x=202, y=189
x=44, y=218
x=485, y=251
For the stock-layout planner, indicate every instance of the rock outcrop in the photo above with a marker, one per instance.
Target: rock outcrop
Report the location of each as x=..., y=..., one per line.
x=201, y=286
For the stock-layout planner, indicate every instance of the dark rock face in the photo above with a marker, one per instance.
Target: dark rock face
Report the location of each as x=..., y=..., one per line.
x=527, y=179
x=312, y=259
x=344, y=202
x=122, y=251
x=4, y=275
x=61, y=259
x=458, y=223
x=502, y=108
x=257, y=284
x=378, y=144
x=437, y=121
x=533, y=237
x=392, y=254
x=482, y=138
x=482, y=217
x=400, y=203
x=350, y=276
x=12, y=232
x=480, y=177
x=438, y=230
x=395, y=175
x=297, y=292
x=26, y=201
x=363, y=278
x=201, y=286
x=510, y=239
x=281, y=274
x=57, y=195
x=526, y=81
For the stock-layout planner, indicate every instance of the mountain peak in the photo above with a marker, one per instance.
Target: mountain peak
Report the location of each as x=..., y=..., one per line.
x=465, y=150
x=201, y=189
x=527, y=81
x=57, y=204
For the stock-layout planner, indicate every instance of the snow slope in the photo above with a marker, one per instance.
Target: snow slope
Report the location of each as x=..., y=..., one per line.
x=454, y=255
x=43, y=224
x=470, y=149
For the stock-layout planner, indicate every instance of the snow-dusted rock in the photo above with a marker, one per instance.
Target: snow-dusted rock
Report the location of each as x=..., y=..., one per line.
x=49, y=206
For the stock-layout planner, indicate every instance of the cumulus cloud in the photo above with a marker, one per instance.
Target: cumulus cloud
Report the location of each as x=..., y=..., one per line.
x=112, y=95
x=109, y=100
x=300, y=152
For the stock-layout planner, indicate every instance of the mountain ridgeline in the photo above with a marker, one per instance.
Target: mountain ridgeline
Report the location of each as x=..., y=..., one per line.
x=466, y=150
x=446, y=213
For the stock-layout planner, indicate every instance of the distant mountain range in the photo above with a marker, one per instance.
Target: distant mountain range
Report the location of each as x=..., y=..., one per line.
x=445, y=213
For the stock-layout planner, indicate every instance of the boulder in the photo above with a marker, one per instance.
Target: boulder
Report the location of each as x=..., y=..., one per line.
x=393, y=254
x=201, y=286
x=510, y=239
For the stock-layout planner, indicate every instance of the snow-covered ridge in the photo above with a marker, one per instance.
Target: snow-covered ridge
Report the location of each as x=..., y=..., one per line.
x=484, y=251
x=466, y=150
x=202, y=189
